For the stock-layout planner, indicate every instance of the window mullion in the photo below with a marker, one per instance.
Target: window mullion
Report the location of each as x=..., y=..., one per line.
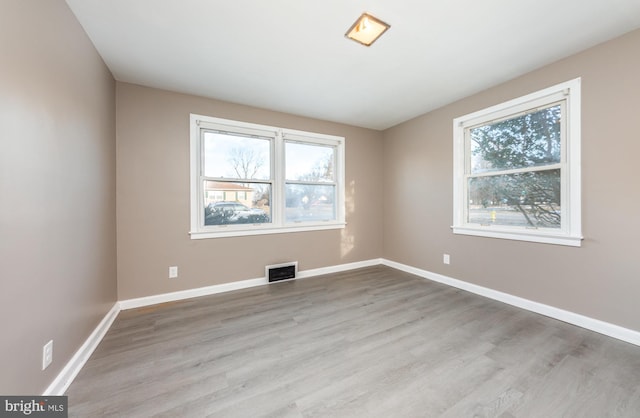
x=278, y=159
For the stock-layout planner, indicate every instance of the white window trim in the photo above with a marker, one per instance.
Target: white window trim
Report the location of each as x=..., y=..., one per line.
x=278, y=224
x=570, y=233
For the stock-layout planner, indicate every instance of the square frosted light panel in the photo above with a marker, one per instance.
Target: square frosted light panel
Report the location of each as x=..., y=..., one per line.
x=367, y=29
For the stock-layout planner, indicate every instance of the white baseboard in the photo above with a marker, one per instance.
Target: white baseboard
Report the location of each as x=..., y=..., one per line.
x=586, y=322
x=227, y=287
x=190, y=293
x=61, y=383
x=339, y=268
x=73, y=367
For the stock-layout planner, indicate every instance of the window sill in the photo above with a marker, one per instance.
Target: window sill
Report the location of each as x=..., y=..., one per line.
x=224, y=231
x=534, y=235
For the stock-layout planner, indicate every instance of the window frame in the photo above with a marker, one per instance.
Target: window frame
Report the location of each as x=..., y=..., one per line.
x=277, y=136
x=570, y=232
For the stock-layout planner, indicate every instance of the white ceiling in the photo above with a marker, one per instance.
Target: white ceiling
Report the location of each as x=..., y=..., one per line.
x=292, y=56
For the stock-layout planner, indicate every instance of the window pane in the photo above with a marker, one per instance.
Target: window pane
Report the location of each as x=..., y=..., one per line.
x=307, y=202
x=524, y=199
x=236, y=203
x=305, y=162
x=530, y=140
x=236, y=157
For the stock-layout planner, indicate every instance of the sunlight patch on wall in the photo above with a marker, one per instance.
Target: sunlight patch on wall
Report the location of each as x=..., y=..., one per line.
x=348, y=239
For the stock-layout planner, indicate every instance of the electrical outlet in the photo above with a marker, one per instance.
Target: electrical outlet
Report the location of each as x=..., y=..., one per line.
x=173, y=272
x=47, y=354
x=446, y=259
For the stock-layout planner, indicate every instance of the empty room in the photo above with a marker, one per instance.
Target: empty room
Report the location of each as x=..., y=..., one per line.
x=319, y=209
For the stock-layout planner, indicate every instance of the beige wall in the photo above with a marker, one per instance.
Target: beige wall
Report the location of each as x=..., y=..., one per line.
x=153, y=199
x=57, y=190
x=602, y=278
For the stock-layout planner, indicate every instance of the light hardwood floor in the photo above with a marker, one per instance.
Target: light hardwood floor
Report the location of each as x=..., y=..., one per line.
x=374, y=342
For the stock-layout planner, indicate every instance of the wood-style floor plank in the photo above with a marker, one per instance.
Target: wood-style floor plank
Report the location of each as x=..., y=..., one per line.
x=374, y=342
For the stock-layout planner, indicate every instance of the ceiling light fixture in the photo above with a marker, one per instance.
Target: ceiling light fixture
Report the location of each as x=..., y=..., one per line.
x=367, y=29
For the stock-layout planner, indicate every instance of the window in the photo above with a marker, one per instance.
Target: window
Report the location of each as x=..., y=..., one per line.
x=310, y=190
x=249, y=179
x=517, y=168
